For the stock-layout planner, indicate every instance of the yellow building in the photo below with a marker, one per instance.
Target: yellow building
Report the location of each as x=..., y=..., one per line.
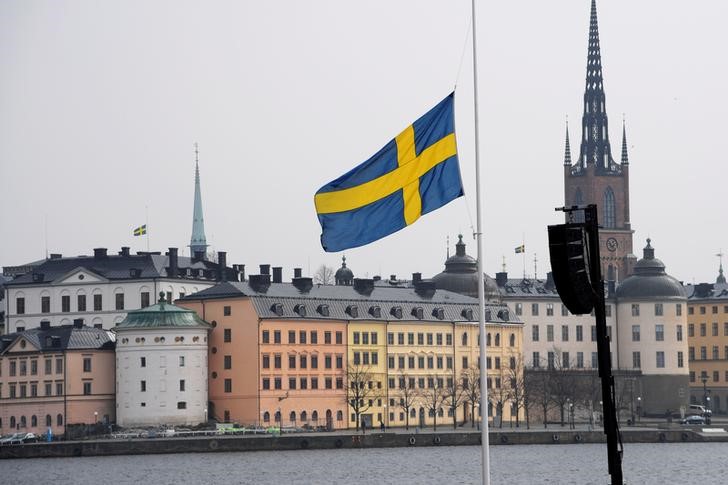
x=708, y=343
x=367, y=366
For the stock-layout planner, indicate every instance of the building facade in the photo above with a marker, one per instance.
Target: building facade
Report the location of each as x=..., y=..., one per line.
x=310, y=345
x=54, y=377
x=161, y=367
x=103, y=287
x=707, y=335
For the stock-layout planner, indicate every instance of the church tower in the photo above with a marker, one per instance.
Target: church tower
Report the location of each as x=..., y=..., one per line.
x=198, y=242
x=595, y=178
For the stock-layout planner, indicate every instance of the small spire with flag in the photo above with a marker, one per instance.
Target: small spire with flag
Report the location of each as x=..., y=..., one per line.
x=521, y=249
x=141, y=230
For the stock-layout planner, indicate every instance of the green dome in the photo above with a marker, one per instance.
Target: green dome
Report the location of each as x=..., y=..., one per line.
x=161, y=315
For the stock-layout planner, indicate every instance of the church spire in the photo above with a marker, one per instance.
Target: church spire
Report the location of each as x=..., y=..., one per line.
x=567, y=147
x=595, y=147
x=198, y=242
x=720, y=279
x=625, y=158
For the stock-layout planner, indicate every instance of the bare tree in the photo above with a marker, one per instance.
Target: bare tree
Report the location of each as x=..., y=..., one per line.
x=455, y=396
x=470, y=379
x=433, y=396
x=517, y=394
x=498, y=395
x=538, y=383
x=406, y=396
x=360, y=390
x=563, y=383
x=324, y=275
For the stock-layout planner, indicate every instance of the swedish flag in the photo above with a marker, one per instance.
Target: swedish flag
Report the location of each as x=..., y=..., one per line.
x=141, y=230
x=412, y=175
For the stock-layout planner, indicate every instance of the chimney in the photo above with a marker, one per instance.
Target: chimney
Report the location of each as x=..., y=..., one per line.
x=363, y=286
x=502, y=278
x=265, y=269
x=241, y=269
x=99, y=253
x=277, y=274
x=45, y=324
x=77, y=322
x=303, y=285
x=425, y=289
x=393, y=277
x=173, y=270
x=296, y=272
x=222, y=265
x=98, y=325
x=198, y=256
x=56, y=256
x=124, y=251
x=377, y=278
x=416, y=277
x=259, y=282
x=550, y=285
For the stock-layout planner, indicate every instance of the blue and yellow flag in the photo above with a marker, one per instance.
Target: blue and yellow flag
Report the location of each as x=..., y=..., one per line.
x=413, y=174
x=521, y=249
x=141, y=230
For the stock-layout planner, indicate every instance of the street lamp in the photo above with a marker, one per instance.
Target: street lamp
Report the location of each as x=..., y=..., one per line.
x=704, y=379
x=386, y=417
x=96, y=417
x=639, y=407
x=572, y=425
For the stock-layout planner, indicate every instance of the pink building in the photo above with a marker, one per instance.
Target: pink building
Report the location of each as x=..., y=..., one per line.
x=51, y=377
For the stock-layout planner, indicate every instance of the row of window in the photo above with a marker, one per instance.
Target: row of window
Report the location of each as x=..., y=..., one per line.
x=304, y=337
x=366, y=338
x=704, y=376
x=704, y=329
x=565, y=333
x=162, y=385
x=303, y=417
x=303, y=361
x=659, y=333
x=22, y=421
x=21, y=389
x=81, y=306
x=703, y=311
x=422, y=362
x=432, y=339
x=659, y=309
x=565, y=362
x=303, y=383
x=20, y=366
x=704, y=353
x=535, y=310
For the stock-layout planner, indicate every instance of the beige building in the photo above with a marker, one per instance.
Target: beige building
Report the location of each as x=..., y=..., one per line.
x=54, y=377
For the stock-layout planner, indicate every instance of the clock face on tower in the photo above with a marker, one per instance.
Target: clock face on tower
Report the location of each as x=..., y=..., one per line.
x=612, y=244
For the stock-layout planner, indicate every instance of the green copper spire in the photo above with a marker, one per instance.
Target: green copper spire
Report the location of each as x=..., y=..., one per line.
x=198, y=241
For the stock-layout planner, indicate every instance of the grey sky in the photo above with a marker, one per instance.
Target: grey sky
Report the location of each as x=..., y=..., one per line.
x=101, y=102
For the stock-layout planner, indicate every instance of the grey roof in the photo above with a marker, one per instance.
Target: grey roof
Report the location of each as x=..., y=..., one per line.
x=528, y=289
x=328, y=302
x=650, y=280
x=707, y=291
x=61, y=338
x=161, y=315
x=119, y=267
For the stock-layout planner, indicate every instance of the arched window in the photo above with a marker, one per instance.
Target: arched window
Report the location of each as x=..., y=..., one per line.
x=512, y=340
x=12, y=421
x=266, y=417
x=440, y=413
x=431, y=412
x=339, y=415
x=497, y=340
x=59, y=420
x=609, y=220
x=465, y=339
x=314, y=416
x=49, y=420
x=487, y=340
x=610, y=273
x=304, y=416
x=34, y=421
x=413, y=413
x=278, y=417
x=23, y=422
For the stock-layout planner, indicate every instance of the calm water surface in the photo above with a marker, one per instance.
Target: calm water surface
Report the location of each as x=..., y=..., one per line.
x=667, y=463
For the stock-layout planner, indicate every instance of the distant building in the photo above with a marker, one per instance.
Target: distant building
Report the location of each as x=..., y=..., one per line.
x=53, y=377
x=283, y=353
x=708, y=343
x=161, y=367
x=103, y=287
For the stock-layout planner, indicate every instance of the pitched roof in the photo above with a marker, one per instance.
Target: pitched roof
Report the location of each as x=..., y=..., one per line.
x=707, y=291
x=61, y=338
x=161, y=315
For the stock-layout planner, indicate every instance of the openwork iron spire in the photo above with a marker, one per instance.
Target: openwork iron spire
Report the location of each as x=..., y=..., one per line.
x=198, y=242
x=595, y=147
x=625, y=158
x=567, y=147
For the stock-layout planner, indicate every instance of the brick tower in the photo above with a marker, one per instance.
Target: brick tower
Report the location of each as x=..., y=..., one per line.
x=595, y=178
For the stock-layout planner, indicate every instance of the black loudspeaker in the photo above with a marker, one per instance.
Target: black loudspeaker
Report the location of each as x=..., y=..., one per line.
x=569, y=251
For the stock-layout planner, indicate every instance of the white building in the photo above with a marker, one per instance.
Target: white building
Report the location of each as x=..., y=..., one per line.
x=103, y=287
x=161, y=367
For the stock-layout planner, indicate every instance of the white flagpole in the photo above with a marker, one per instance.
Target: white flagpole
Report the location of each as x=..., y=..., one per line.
x=146, y=223
x=485, y=446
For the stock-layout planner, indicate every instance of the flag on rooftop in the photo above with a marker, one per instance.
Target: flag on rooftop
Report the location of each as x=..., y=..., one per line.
x=415, y=173
x=141, y=230
x=521, y=249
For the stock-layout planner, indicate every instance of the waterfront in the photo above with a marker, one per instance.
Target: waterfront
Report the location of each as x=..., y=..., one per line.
x=683, y=463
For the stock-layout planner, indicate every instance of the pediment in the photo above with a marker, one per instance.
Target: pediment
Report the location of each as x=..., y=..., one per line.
x=80, y=275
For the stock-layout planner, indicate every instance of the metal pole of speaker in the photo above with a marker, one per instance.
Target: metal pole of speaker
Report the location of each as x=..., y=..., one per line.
x=611, y=426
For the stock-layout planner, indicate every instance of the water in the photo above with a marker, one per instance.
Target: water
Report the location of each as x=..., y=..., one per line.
x=665, y=463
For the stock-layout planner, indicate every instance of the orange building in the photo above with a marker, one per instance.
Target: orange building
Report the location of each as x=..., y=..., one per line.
x=51, y=377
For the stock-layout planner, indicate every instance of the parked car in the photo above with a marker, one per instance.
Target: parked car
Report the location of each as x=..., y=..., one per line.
x=695, y=419
x=699, y=410
x=7, y=439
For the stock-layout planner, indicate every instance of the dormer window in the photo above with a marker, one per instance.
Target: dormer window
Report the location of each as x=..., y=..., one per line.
x=277, y=308
x=418, y=313
x=353, y=311
x=438, y=313
x=396, y=312
x=300, y=309
x=467, y=313
x=375, y=311
x=323, y=310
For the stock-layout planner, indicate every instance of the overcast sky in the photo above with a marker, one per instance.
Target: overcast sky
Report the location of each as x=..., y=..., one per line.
x=101, y=103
